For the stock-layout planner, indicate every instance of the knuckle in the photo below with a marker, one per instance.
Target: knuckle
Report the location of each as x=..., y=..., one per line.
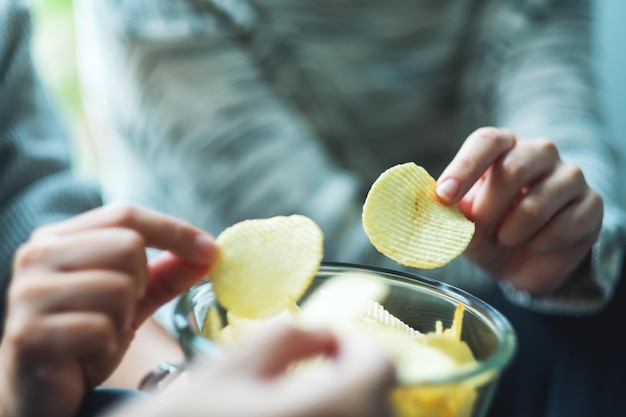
x=123, y=214
x=130, y=244
x=119, y=288
x=596, y=202
x=466, y=165
x=179, y=232
x=31, y=253
x=489, y=134
x=102, y=328
x=23, y=291
x=19, y=333
x=575, y=173
x=547, y=146
x=533, y=210
x=562, y=236
x=514, y=170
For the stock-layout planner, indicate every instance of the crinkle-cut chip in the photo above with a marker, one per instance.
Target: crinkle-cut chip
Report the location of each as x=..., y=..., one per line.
x=265, y=265
x=377, y=314
x=405, y=220
x=415, y=359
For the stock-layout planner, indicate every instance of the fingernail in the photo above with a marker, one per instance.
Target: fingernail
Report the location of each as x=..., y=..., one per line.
x=448, y=189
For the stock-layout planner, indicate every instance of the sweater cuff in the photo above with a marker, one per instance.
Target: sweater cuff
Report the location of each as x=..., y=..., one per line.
x=588, y=290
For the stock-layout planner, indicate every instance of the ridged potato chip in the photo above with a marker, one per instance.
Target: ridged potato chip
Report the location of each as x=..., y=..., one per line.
x=405, y=220
x=265, y=265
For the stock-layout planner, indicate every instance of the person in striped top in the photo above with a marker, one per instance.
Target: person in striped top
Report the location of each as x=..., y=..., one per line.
x=76, y=288
x=221, y=111
x=218, y=111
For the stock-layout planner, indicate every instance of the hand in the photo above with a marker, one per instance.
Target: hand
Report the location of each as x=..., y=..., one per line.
x=80, y=290
x=536, y=217
x=254, y=382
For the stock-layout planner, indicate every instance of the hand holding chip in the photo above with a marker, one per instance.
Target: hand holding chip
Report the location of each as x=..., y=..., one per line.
x=80, y=289
x=254, y=381
x=536, y=218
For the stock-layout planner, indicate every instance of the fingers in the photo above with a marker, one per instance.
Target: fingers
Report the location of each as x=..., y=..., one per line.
x=358, y=386
x=169, y=277
x=158, y=230
x=101, y=249
x=64, y=335
x=528, y=164
x=94, y=270
x=108, y=293
x=549, y=204
x=115, y=239
x=578, y=223
x=365, y=387
x=535, y=215
x=479, y=151
x=353, y=352
x=519, y=191
x=284, y=345
x=535, y=201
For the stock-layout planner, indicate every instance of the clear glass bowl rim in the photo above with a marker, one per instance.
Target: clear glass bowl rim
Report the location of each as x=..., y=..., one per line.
x=494, y=364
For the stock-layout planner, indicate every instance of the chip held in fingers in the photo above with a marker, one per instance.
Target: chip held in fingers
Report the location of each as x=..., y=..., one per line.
x=405, y=220
x=265, y=265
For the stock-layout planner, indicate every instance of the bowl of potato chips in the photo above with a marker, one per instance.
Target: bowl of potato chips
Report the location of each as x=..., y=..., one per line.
x=449, y=346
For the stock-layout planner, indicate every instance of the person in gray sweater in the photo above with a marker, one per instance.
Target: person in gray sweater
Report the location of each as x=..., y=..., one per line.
x=217, y=111
x=76, y=287
x=220, y=111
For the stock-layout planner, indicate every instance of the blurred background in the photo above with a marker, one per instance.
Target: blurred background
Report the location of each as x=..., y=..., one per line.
x=54, y=48
x=54, y=54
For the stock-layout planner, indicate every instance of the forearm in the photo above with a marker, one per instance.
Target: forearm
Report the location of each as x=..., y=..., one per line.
x=151, y=346
x=547, y=89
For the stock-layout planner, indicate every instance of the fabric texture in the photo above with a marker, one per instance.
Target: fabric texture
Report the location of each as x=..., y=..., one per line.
x=221, y=111
x=217, y=111
x=37, y=185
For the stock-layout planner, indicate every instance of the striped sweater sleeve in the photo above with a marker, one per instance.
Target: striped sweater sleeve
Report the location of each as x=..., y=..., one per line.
x=547, y=89
x=36, y=181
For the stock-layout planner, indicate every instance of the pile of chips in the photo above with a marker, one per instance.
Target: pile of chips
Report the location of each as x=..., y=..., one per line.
x=265, y=266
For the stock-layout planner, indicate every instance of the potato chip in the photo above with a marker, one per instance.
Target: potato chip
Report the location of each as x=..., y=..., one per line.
x=405, y=220
x=265, y=265
x=377, y=315
x=453, y=400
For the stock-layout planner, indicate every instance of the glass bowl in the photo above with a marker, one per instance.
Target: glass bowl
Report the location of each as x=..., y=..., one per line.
x=419, y=302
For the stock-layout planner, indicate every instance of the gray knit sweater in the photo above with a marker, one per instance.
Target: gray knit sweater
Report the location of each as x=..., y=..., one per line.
x=37, y=185
x=217, y=111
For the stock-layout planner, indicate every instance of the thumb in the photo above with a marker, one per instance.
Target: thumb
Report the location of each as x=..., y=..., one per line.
x=169, y=276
